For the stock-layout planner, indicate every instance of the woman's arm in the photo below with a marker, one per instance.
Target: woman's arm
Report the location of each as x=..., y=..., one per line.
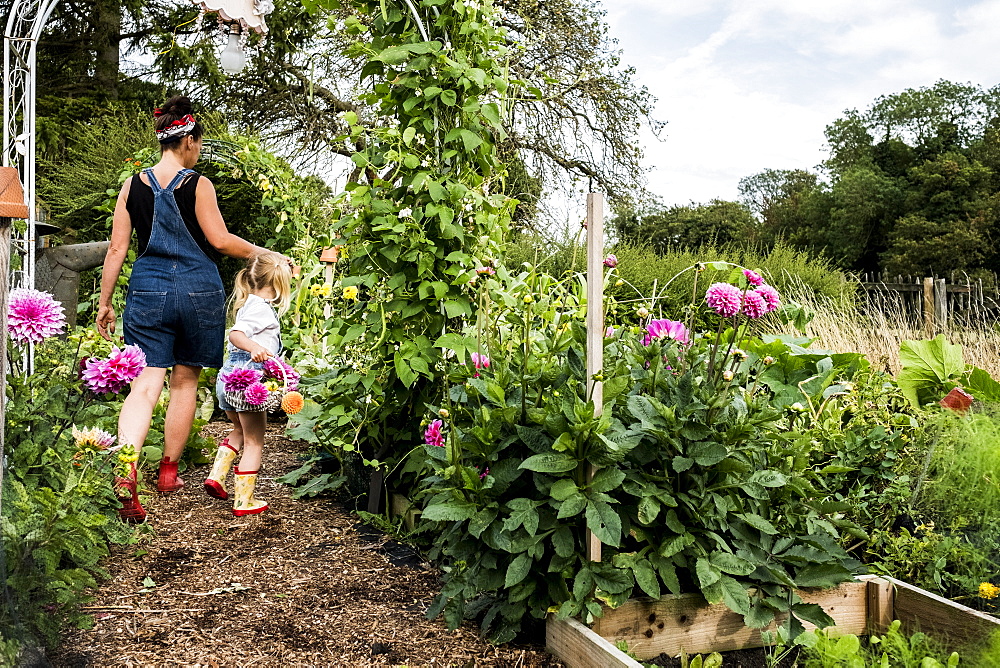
x=121, y=235
x=206, y=208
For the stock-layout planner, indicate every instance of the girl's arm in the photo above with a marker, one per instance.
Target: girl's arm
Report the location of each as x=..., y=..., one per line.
x=206, y=209
x=258, y=353
x=121, y=235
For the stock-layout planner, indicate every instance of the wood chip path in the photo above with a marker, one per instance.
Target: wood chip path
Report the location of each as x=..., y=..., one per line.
x=303, y=584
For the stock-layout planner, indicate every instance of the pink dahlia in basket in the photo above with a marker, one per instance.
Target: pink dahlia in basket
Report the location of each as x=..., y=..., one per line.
x=255, y=394
x=771, y=297
x=724, y=298
x=282, y=371
x=433, y=435
x=754, y=305
x=673, y=330
x=240, y=378
x=33, y=316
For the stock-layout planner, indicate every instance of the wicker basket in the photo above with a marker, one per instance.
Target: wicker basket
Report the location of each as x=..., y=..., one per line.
x=273, y=402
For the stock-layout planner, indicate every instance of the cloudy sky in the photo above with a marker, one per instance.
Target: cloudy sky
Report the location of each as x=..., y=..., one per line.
x=747, y=85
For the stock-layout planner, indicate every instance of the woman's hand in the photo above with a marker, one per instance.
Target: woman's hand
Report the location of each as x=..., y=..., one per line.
x=106, y=320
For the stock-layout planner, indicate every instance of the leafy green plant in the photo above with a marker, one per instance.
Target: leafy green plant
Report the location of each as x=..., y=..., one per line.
x=59, y=510
x=894, y=649
x=706, y=479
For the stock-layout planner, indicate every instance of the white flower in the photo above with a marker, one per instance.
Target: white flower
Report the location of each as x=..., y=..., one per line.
x=405, y=213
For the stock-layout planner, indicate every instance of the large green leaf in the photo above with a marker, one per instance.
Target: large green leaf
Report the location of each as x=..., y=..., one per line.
x=549, y=462
x=927, y=365
x=604, y=522
x=981, y=385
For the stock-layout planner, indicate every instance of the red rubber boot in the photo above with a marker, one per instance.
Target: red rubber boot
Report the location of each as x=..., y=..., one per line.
x=168, y=480
x=127, y=490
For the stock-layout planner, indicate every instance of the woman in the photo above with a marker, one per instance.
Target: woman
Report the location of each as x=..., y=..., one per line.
x=175, y=306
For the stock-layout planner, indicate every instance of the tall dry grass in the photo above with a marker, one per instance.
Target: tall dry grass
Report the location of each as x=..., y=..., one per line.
x=877, y=331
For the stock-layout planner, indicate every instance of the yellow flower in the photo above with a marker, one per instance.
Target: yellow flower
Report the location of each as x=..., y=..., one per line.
x=128, y=454
x=351, y=292
x=314, y=289
x=272, y=386
x=988, y=590
x=318, y=290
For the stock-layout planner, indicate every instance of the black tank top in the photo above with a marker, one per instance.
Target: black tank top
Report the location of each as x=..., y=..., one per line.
x=140, y=210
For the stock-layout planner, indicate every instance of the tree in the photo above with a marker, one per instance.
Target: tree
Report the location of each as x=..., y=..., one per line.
x=952, y=215
x=776, y=196
x=691, y=226
x=576, y=114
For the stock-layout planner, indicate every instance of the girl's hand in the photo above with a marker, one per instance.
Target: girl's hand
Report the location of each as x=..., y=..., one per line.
x=259, y=353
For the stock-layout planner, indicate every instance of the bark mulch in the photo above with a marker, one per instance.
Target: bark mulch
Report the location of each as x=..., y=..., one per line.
x=303, y=584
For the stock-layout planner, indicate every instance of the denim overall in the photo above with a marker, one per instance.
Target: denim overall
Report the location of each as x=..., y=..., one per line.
x=175, y=307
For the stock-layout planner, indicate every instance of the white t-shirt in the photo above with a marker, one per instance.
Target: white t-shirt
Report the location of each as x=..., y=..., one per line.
x=257, y=319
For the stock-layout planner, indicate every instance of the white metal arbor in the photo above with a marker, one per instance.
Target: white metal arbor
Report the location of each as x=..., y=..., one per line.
x=25, y=22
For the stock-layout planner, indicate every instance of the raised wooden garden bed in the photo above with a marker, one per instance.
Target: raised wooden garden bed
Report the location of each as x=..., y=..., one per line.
x=651, y=627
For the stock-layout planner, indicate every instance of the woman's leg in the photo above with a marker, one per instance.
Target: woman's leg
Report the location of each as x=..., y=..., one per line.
x=180, y=410
x=137, y=411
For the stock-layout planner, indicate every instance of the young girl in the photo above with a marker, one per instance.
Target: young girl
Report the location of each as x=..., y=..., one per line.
x=254, y=337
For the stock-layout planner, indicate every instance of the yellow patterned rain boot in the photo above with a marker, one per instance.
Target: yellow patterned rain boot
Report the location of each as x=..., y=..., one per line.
x=245, y=504
x=215, y=484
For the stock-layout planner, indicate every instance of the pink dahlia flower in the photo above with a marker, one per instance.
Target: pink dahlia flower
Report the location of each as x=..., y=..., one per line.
x=102, y=379
x=127, y=363
x=666, y=329
x=754, y=305
x=433, y=435
x=282, y=371
x=489, y=271
x=256, y=393
x=611, y=261
x=753, y=278
x=724, y=298
x=33, y=316
x=771, y=297
x=240, y=378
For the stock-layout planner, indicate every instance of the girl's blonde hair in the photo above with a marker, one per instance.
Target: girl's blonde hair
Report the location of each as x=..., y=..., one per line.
x=263, y=271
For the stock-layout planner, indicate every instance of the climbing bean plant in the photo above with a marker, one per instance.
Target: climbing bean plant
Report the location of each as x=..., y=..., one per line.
x=420, y=214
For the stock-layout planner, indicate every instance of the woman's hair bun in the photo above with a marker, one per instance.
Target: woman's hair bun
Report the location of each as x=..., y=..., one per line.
x=178, y=105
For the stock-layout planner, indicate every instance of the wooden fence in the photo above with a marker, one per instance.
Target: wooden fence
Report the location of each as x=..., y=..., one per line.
x=932, y=303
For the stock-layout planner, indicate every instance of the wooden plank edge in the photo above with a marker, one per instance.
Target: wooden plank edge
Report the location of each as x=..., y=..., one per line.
x=948, y=621
x=579, y=647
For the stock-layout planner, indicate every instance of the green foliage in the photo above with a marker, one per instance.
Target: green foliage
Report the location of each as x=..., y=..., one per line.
x=419, y=216
x=59, y=510
x=644, y=273
x=716, y=223
x=928, y=369
x=709, y=473
x=963, y=478
x=894, y=649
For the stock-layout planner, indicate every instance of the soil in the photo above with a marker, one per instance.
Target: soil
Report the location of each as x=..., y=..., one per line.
x=303, y=584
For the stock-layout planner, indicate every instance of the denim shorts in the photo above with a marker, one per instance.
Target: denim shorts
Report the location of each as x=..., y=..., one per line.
x=240, y=357
x=171, y=328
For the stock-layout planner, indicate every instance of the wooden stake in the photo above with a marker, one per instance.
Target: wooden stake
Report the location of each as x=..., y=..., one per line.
x=929, y=308
x=595, y=327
